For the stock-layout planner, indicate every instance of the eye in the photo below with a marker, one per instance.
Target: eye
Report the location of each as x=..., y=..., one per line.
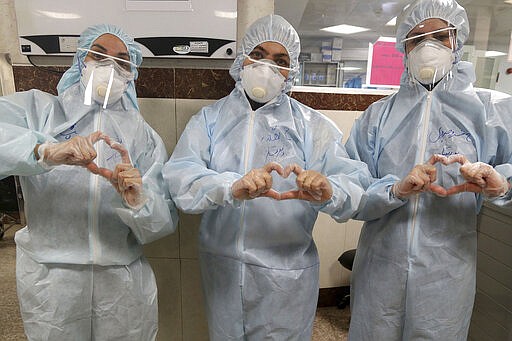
x=442, y=37
x=283, y=62
x=96, y=56
x=255, y=54
x=410, y=44
x=124, y=65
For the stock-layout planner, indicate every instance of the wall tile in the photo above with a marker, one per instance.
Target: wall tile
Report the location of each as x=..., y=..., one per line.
x=155, y=83
x=203, y=83
x=195, y=325
x=329, y=101
x=329, y=238
x=189, y=235
x=343, y=119
x=44, y=78
x=185, y=109
x=168, y=280
x=167, y=247
x=160, y=113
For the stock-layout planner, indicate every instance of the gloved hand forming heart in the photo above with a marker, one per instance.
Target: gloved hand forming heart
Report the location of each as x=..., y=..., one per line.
x=125, y=178
x=78, y=151
x=311, y=185
x=480, y=178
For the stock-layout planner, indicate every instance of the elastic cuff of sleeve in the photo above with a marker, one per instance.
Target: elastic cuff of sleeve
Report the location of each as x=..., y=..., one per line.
x=142, y=202
x=507, y=189
x=42, y=162
x=393, y=195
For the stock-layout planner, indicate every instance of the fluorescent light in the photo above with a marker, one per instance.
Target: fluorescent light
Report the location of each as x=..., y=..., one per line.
x=508, y=2
x=494, y=53
x=60, y=15
x=350, y=68
x=345, y=29
x=392, y=22
x=224, y=14
x=387, y=39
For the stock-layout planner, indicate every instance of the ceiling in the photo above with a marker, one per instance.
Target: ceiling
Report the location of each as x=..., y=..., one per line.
x=490, y=20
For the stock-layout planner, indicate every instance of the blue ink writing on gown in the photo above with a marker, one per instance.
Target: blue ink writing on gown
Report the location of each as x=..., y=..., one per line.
x=448, y=152
x=275, y=152
x=443, y=135
x=276, y=134
x=68, y=133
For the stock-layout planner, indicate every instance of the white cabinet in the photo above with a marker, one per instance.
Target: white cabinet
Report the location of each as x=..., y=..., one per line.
x=320, y=74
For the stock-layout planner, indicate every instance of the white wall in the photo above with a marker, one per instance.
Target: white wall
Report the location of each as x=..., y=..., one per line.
x=333, y=238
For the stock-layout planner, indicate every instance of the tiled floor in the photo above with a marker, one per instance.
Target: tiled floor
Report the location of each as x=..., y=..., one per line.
x=331, y=323
x=10, y=321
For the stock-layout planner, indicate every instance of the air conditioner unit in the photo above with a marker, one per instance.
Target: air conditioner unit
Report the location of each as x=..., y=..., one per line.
x=183, y=28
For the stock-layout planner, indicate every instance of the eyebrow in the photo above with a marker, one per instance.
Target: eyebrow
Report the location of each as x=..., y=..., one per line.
x=281, y=55
x=274, y=55
x=102, y=48
x=261, y=48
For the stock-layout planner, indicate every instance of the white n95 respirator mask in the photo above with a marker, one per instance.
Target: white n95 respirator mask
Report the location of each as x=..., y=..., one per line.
x=262, y=80
x=104, y=81
x=430, y=61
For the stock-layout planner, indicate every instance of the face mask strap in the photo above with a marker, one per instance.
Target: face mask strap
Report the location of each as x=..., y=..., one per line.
x=88, y=90
x=88, y=96
x=260, y=61
x=109, y=86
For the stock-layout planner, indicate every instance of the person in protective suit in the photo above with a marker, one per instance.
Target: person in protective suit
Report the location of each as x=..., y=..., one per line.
x=260, y=166
x=437, y=149
x=90, y=172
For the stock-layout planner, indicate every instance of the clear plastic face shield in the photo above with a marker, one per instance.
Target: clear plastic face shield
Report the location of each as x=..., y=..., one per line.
x=430, y=54
x=267, y=62
x=104, y=77
x=262, y=79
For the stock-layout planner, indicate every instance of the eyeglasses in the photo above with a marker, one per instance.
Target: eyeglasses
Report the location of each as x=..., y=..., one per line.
x=123, y=63
x=418, y=38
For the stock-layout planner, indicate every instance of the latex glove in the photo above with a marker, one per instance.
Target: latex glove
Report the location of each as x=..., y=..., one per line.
x=128, y=182
x=480, y=178
x=77, y=151
x=311, y=185
x=125, y=178
x=257, y=183
x=420, y=179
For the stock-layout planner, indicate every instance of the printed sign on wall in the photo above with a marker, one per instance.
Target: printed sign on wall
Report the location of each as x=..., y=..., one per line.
x=385, y=64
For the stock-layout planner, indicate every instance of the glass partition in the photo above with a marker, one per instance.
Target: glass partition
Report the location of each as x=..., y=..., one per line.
x=349, y=43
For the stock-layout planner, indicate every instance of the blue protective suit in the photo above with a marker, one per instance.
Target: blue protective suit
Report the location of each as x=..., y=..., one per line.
x=414, y=272
x=81, y=274
x=259, y=262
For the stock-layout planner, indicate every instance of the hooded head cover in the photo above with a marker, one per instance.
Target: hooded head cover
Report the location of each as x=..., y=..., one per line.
x=273, y=28
x=87, y=38
x=421, y=10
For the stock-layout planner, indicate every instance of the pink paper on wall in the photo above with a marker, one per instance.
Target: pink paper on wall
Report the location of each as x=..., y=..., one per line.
x=387, y=64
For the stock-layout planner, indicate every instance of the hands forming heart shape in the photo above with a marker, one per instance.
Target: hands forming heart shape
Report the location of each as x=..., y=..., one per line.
x=125, y=178
x=105, y=172
x=311, y=185
x=480, y=178
x=80, y=151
